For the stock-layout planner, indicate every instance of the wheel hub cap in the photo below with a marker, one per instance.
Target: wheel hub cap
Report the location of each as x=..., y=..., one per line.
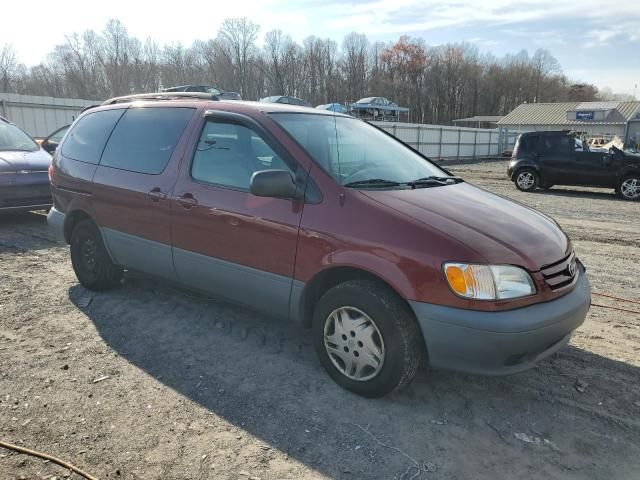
x=354, y=343
x=630, y=188
x=525, y=180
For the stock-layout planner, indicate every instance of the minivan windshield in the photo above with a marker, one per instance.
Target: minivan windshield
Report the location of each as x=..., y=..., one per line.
x=12, y=138
x=358, y=154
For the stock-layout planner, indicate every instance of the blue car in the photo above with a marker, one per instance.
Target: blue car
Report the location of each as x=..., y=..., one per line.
x=334, y=107
x=24, y=177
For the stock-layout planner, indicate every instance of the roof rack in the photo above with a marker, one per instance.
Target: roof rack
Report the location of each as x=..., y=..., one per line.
x=161, y=96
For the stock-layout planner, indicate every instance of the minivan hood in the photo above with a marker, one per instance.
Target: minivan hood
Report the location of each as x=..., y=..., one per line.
x=13, y=161
x=499, y=230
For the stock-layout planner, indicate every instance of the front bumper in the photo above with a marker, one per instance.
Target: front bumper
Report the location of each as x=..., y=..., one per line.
x=55, y=221
x=23, y=192
x=501, y=343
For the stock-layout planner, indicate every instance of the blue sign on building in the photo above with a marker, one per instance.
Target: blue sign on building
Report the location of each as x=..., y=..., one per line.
x=585, y=115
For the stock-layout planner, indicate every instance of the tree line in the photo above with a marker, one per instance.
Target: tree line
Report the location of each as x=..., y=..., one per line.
x=439, y=83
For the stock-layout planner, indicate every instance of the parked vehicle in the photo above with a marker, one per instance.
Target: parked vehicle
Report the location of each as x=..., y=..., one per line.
x=287, y=100
x=221, y=94
x=544, y=159
x=377, y=108
x=323, y=219
x=24, y=182
x=334, y=107
x=596, y=142
x=50, y=143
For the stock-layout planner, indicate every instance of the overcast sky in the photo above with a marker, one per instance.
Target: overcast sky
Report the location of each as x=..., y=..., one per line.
x=595, y=41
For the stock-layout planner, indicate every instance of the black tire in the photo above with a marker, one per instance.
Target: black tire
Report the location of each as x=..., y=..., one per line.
x=625, y=192
x=90, y=259
x=401, y=335
x=526, y=173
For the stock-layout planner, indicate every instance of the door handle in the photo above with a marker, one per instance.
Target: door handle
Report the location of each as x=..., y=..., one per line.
x=156, y=194
x=187, y=200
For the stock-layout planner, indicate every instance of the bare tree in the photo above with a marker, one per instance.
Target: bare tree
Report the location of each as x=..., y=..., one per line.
x=438, y=83
x=236, y=38
x=115, y=57
x=8, y=66
x=544, y=64
x=355, y=49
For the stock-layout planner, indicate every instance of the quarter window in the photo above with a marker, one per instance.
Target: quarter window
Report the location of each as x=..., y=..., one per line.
x=88, y=136
x=228, y=154
x=145, y=138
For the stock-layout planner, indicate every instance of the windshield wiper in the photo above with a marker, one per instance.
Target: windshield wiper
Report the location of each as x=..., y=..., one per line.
x=434, y=181
x=373, y=183
x=431, y=181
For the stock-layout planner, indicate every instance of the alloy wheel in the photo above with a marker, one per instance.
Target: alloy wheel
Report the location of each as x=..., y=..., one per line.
x=630, y=188
x=525, y=180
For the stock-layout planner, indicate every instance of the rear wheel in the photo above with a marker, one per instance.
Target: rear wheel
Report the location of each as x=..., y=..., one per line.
x=90, y=259
x=629, y=187
x=367, y=338
x=527, y=180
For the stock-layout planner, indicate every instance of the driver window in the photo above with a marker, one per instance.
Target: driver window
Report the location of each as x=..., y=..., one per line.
x=228, y=154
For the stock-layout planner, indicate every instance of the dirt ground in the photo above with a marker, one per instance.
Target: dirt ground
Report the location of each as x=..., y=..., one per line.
x=148, y=382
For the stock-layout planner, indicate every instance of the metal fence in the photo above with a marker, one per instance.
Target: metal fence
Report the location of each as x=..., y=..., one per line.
x=444, y=142
x=39, y=116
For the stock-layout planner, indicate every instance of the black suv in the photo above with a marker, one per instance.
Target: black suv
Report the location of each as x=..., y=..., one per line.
x=544, y=159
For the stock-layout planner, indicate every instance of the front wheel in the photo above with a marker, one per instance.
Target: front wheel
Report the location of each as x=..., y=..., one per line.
x=367, y=338
x=90, y=259
x=527, y=180
x=629, y=187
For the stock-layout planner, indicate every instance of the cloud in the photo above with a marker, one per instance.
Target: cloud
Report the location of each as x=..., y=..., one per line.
x=406, y=16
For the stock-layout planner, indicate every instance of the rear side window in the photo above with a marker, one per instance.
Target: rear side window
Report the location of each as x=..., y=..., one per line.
x=87, y=138
x=145, y=138
x=556, y=144
x=529, y=143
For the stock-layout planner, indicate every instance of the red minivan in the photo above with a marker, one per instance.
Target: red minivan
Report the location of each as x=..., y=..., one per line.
x=323, y=219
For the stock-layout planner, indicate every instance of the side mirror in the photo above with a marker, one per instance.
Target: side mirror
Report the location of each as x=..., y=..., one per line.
x=273, y=183
x=49, y=145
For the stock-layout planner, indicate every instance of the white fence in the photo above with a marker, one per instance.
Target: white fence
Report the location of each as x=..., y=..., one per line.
x=39, y=116
x=444, y=142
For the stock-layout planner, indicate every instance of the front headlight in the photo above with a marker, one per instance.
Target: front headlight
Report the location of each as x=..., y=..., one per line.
x=488, y=282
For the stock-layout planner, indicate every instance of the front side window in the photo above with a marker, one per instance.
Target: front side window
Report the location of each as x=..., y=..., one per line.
x=144, y=139
x=228, y=154
x=12, y=138
x=88, y=136
x=351, y=150
x=58, y=134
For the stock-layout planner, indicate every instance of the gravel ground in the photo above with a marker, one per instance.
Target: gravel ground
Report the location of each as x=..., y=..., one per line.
x=148, y=382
